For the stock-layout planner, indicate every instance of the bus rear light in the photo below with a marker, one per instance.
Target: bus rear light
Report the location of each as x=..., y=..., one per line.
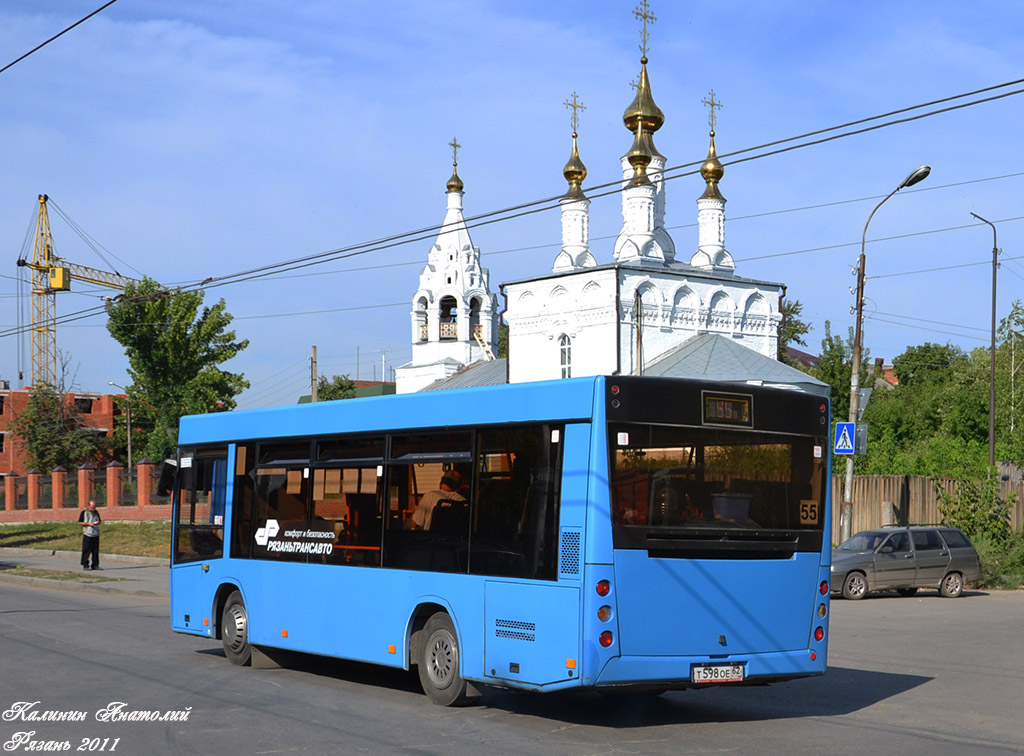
x=606, y=638
x=615, y=389
x=813, y=656
x=822, y=611
x=823, y=588
x=604, y=588
x=604, y=613
x=819, y=633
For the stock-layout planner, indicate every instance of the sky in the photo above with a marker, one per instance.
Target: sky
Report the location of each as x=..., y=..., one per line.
x=199, y=140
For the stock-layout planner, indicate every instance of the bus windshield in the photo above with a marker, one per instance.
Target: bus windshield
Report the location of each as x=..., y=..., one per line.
x=665, y=476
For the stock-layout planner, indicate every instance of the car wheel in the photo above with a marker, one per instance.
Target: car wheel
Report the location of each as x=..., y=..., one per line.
x=439, y=662
x=906, y=591
x=855, y=586
x=952, y=585
x=234, y=631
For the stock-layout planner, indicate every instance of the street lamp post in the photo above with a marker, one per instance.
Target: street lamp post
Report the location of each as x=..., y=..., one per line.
x=992, y=370
x=846, y=513
x=128, y=418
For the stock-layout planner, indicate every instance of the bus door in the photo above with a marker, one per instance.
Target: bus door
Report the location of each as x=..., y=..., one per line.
x=198, y=541
x=531, y=626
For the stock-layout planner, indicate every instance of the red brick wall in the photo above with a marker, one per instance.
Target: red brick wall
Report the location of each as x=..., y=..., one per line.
x=12, y=458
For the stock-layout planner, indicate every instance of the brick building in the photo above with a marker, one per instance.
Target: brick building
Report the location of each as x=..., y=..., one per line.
x=98, y=412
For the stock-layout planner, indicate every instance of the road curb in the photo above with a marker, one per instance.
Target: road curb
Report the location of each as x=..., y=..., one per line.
x=157, y=562
x=73, y=585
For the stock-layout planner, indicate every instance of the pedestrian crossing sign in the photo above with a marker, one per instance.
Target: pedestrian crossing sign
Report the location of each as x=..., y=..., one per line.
x=845, y=433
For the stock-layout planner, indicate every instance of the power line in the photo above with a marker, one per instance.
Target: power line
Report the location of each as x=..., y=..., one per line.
x=545, y=204
x=549, y=203
x=39, y=47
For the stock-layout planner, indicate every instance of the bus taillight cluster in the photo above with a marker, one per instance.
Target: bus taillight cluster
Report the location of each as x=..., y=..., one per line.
x=603, y=588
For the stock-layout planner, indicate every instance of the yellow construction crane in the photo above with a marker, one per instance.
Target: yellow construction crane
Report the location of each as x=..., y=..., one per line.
x=51, y=274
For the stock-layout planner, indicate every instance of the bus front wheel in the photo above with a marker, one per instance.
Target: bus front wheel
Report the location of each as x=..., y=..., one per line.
x=439, y=662
x=234, y=631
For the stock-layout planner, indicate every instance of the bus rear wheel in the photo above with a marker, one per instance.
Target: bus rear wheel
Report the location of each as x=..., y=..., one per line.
x=439, y=662
x=234, y=631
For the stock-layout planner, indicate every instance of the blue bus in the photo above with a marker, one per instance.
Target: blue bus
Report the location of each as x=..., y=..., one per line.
x=614, y=533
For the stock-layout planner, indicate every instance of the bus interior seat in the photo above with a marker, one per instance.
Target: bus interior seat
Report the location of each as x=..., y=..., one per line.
x=450, y=517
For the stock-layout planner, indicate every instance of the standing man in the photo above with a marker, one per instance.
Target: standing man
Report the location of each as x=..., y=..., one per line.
x=89, y=519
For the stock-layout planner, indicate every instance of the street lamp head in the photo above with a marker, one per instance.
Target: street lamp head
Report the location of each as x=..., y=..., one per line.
x=918, y=174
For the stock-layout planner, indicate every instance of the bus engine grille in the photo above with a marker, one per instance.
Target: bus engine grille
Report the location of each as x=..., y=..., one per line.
x=524, y=631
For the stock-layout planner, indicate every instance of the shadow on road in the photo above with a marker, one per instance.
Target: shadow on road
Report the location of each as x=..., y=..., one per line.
x=839, y=692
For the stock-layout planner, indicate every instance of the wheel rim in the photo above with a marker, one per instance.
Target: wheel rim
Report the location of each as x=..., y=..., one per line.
x=856, y=586
x=441, y=660
x=953, y=584
x=235, y=631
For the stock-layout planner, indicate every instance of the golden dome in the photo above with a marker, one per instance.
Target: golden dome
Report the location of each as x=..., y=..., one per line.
x=575, y=172
x=643, y=108
x=640, y=155
x=712, y=171
x=455, y=183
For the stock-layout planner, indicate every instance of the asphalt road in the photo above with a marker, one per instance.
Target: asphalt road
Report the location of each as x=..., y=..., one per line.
x=922, y=675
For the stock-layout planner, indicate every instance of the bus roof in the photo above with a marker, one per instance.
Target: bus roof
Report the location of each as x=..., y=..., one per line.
x=565, y=399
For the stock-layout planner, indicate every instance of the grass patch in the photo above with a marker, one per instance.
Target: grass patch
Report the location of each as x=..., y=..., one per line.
x=149, y=539
x=77, y=577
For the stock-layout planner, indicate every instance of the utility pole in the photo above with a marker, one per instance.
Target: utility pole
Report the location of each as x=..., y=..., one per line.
x=992, y=371
x=846, y=509
x=313, y=389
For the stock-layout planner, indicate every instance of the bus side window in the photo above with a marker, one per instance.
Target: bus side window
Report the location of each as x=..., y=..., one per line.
x=200, y=505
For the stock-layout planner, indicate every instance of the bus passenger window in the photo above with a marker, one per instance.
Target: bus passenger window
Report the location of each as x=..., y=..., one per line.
x=429, y=484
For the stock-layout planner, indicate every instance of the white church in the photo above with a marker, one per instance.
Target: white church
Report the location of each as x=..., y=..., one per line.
x=641, y=310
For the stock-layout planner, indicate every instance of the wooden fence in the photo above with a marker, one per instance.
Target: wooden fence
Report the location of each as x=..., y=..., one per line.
x=905, y=499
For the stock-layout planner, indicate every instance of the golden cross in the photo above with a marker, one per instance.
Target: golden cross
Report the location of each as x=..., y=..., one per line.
x=642, y=12
x=454, y=144
x=712, y=104
x=635, y=84
x=576, y=105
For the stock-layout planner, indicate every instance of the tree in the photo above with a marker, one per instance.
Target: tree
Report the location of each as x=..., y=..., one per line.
x=928, y=362
x=791, y=329
x=835, y=366
x=337, y=387
x=175, y=352
x=52, y=433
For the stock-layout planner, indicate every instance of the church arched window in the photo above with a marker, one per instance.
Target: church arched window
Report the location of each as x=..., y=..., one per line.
x=565, y=351
x=448, y=315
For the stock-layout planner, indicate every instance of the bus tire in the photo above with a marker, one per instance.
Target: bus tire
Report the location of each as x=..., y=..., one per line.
x=439, y=662
x=952, y=585
x=234, y=631
x=855, y=586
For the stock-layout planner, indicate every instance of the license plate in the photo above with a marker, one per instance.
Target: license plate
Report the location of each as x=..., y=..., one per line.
x=716, y=673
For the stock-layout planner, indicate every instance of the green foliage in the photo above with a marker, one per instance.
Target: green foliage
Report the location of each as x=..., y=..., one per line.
x=52, y=433
x=926, y=363
x=336, y=387
x=1002, y=562
x=791, y=329
x=175, y=352
x=502, y=340
x=835, y=367
x=977, y=508
x=935, y=422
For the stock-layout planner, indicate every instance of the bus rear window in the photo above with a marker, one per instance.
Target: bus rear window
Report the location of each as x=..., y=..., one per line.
x=671, y=476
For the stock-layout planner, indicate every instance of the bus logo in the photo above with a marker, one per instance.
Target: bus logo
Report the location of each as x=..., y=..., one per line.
x=268, y=531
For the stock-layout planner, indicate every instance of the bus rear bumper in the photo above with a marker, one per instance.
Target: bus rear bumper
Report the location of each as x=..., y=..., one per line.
x=678, y=671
